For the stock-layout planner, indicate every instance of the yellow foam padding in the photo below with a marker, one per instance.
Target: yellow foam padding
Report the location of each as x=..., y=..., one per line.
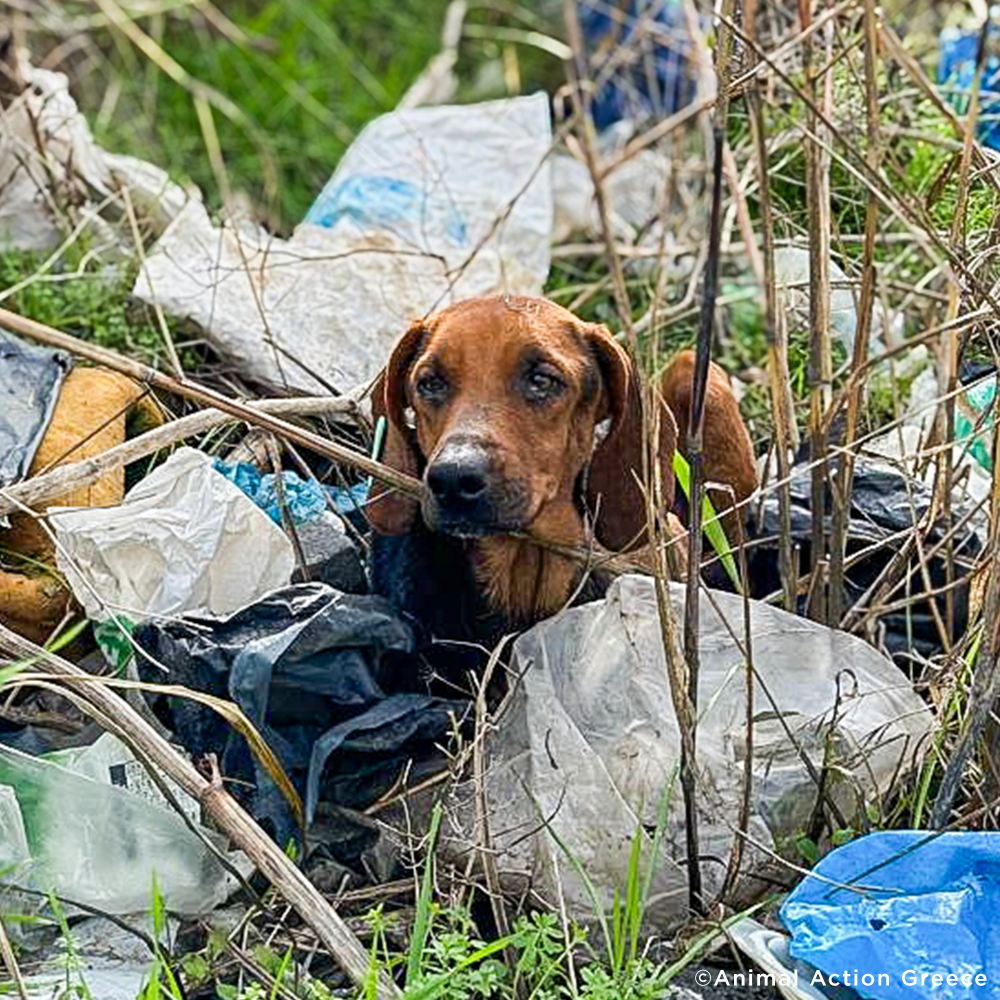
x=31, y=606
x=90, y=417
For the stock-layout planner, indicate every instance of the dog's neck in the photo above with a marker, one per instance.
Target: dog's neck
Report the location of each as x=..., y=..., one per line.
x=526, y=582
x=521, y=580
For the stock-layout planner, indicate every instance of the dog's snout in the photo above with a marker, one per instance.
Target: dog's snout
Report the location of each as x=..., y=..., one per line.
x=467, y=492
x=462, y=480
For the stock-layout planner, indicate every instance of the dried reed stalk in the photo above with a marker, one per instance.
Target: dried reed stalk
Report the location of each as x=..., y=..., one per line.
x=64, y=479
x=820, y=363
x=694, y=449
x=950, y=344
x=842, y=486
x=579, y=82
x=776, y=332
x=985, y=693
x=190, y=389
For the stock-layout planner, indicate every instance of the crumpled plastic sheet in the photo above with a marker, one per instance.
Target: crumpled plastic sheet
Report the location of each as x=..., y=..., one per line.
x=590, y=745
x=329, y=679
x=791, y=275
x=305, y=498
x=30, y=379
x=47, y=153
x=99, y=959
x=884, y=503
x=634, y=192
x=428, y=206
x=930, y=904
x=184, y=539
x=94, y=843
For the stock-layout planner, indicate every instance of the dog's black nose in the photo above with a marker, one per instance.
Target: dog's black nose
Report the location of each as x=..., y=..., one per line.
x=458, y=482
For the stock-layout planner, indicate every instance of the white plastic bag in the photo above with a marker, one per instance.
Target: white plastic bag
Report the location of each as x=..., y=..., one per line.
x=430, y=205
x=185, y=539
x=49, y=160
x=791, y=273
x=591, y=744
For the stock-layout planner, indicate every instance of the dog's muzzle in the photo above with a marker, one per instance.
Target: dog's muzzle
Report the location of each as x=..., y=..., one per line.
x=466, y=496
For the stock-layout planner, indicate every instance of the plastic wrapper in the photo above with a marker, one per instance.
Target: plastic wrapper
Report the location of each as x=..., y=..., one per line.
x=110, y=762
x=768, y=950
x=590, y=745
x=184, y=539
x=974, y=419
x=634, y=192
x=329, y=555
x=923, y=905
x=428, y=206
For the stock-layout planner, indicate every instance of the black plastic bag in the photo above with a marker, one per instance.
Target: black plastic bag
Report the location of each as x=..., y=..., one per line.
x=883, y=504
x=330, y=680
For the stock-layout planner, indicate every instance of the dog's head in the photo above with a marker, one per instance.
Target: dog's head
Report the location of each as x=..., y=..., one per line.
x=494, y=403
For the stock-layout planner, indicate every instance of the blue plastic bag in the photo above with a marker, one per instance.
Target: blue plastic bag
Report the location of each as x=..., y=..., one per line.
x=349, y=501
x=653, y=78
x=931, y=906
x=956, y=70
x=305, y=498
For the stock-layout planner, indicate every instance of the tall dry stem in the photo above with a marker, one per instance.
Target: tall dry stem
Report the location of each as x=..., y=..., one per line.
x=819, y=90
x=776, y=332
x=843, y=484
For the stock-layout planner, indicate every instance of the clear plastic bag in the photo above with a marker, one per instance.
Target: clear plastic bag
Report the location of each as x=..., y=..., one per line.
x=590, y=744
x=97, y=844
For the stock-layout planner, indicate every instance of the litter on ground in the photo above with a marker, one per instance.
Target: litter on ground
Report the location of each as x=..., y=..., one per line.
x=236, y=762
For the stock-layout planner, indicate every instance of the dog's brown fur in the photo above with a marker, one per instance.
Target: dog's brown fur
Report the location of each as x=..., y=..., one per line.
x=520, y=385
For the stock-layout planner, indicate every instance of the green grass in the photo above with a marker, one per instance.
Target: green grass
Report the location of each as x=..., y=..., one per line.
x=455, y=964
x=306, y=76
x=80, y=297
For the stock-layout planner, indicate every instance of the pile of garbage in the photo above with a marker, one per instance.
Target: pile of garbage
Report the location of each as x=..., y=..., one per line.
x=214, y=579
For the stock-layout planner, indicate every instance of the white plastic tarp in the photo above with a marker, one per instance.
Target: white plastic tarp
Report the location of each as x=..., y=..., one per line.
x=428, y=206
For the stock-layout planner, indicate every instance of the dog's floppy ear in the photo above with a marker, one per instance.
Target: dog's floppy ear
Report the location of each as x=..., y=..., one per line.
x=390, y=512
x=613, y=483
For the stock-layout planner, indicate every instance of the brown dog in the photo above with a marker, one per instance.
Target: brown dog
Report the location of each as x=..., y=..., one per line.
x=494, y=403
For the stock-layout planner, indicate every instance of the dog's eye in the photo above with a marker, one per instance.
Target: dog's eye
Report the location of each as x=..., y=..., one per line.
x=540, y=384
x=432, y=387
